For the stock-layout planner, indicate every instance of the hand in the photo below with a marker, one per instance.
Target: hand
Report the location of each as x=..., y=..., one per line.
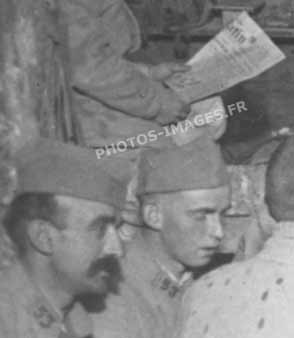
x=173, y=108
x=163, y=71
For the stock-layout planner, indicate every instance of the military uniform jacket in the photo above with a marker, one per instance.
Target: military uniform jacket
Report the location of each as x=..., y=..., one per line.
x=100, y=34
x=251, y=299
x=148, y=302
x=24, y=311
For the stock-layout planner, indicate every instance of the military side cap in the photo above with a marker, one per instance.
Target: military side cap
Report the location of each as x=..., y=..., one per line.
x=49, y=166
x=193, y=166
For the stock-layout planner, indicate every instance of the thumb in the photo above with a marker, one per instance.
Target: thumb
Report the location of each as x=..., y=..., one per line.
x=178, y=68
x=165, y=70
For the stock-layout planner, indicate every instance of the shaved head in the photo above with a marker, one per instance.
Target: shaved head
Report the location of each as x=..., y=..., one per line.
x=279, y=190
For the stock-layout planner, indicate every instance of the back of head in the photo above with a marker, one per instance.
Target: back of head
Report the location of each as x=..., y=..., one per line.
x=279, y=189
x=24, y=209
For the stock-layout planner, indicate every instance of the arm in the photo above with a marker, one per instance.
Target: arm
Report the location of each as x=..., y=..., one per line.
x=122, y=86
x=101, y=72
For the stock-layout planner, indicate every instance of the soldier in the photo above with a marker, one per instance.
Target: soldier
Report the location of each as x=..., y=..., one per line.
x=63, y=223
x=183, y=192
x=111, y=91
x=254, y=298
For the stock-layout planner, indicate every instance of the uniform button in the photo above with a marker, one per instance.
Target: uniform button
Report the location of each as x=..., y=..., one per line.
x=279, y=281
x=260, y=323
x=206, y=328
x=264, y=296
x=209, y=285
x=228, y=281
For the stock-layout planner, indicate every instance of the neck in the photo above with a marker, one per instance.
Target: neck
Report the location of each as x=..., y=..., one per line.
x=159, y=253
x=51, y=287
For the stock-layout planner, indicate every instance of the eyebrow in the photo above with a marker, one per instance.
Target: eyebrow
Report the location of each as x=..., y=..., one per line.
x=101, y=221
x=202, y=209
x=208, y=210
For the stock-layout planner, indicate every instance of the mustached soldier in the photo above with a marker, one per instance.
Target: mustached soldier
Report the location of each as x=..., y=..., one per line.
x=63, y=223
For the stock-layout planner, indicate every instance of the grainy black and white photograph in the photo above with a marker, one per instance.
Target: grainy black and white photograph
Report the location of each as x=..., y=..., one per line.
x=146, y=168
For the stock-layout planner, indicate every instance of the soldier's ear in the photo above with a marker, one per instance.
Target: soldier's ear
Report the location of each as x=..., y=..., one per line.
x=152, y=215
x=40, y=234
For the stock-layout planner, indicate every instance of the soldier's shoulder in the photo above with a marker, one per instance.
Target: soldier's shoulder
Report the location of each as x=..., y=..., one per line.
x=12, y=280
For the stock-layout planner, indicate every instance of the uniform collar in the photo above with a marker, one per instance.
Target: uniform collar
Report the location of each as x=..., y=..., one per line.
x=46, y=316
x=168, y=282
x=43, y=313
x=34, y=302
x=155, y=273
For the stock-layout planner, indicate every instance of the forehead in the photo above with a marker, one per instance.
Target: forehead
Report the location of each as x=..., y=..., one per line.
x=77, y=209
x=206, y=198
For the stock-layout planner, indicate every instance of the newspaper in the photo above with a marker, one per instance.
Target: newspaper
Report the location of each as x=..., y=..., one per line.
x=241, y=51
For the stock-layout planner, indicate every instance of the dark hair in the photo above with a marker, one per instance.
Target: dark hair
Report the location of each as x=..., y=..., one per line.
x=24, y=209
x=279, y=188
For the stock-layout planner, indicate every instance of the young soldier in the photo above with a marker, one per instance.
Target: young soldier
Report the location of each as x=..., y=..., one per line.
x=183, y=192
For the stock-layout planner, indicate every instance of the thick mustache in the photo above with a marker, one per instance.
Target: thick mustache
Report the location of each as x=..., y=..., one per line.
x=109, y=264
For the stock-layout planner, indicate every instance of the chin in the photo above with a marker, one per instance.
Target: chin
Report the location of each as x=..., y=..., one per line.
x=103, y=286
x=197, y=263
x=97, y=287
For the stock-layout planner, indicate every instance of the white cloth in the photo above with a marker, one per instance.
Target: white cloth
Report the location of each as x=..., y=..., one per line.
x=251, y=299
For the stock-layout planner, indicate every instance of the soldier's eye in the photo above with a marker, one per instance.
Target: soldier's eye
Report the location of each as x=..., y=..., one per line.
x=101, y=230
x=100, y=225
x=198, y=215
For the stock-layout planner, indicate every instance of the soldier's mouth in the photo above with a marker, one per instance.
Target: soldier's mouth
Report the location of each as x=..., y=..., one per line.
x=209, y=250
x=101, y=277
x=104, y=275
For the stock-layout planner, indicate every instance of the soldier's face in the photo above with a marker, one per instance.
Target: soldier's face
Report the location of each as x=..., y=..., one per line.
x=86, y=252
x=192, y=224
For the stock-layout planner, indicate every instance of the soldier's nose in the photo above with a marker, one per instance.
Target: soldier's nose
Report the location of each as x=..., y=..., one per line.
x=215, y=227
x=113, y=244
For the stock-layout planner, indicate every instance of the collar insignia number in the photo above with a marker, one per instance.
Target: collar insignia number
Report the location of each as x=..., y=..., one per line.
x=43, y=316
x=164, y=283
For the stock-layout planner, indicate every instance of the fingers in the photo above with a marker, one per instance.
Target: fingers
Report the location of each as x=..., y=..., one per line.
x=178, y=68
x=172, y=107
x=165, y=70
